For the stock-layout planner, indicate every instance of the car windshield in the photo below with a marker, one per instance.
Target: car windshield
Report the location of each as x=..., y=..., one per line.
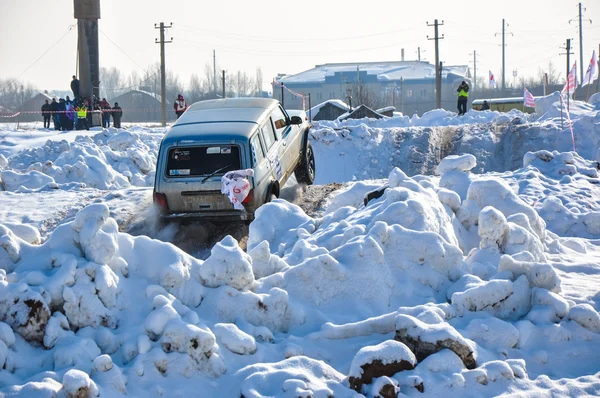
x=202, y=160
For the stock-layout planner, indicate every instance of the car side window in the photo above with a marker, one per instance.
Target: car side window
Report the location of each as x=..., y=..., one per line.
x=257, y=150
x=268, y=137
x=279, y=121
x=269, y=126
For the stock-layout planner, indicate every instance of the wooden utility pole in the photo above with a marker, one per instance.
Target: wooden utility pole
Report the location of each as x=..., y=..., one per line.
x=223, y=83
x=438, y=71
x=163, y=74
x=568, y=53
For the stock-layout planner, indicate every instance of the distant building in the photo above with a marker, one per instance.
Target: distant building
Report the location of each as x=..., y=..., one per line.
x=329, y=110
x=141, y=106
x=360, y=112
x=31, y=109
x=409, y=86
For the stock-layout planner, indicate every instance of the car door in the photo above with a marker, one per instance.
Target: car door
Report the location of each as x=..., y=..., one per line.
x=290, y=136
x=274, y=148
x=263, y=171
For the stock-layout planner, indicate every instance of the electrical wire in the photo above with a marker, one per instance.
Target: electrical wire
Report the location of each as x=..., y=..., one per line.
x=123, y=51
x=42, y=56
x=302, y=40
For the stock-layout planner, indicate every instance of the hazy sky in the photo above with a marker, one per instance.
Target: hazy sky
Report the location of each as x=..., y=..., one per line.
x=289, y=37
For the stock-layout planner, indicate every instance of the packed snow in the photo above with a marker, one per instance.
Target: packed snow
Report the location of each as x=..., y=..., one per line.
x=474, y=272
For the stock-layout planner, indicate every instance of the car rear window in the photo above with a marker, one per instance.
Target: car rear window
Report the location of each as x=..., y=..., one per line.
x=202, y=160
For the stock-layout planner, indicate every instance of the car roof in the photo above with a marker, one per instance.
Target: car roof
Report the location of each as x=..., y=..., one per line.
x=227, y=109
x=220, y=119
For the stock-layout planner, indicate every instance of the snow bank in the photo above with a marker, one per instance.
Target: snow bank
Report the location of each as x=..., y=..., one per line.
x=111, y=159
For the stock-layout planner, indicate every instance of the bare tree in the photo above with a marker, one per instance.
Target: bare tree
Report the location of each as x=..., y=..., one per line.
x=554, y=76
x=195, y=91
x=111, y=83
x=13, y=93
x=259, y=81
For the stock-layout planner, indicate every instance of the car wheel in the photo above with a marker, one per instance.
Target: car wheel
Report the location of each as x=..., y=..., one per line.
x=305, y=171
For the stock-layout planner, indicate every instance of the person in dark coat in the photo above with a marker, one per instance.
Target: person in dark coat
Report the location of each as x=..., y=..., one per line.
x=62, y=115
x=46, y=113
x=105, y=108
x=68, y=101
x=117, y=112
x=54, y=112
x=485, y=106
x=75, y=87
x=463, y=97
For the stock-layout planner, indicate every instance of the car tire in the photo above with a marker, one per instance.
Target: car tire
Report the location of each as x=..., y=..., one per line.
x=305, y=171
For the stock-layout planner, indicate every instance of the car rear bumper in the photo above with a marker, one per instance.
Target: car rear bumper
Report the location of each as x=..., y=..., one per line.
x=223, y=215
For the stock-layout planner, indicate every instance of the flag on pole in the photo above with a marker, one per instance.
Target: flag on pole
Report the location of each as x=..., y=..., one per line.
x=492, y=80
x=571, y=83
x=528, y=99
x=592, y=71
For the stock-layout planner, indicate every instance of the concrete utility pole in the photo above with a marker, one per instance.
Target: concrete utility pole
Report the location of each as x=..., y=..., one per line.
x=474, y=70
x=504, y=33
x=163, y=75
x=438, y=68
x=87, y=13
x=580, y=18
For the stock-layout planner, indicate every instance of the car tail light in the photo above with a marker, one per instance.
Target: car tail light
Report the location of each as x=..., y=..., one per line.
x=160, y=200
x=250, y=197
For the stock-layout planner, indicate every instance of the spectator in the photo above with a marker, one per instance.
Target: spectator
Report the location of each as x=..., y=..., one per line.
x=70, y=115
x=117, y=112
x=62, y=115
x=463, y=97
x=105, y=108
x=54, y=111
x=180, y=105
x=68, y=101
x=485, y=106
x=82, y=111
x=75, y=87
x=46, y=113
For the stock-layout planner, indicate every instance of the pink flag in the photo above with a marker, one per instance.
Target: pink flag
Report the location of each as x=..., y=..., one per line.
x=492, y=80
x=528, y=99
x=592, y=71
x=571, y=83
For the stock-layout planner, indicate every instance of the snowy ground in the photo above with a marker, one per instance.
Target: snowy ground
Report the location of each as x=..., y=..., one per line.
x=476, y=273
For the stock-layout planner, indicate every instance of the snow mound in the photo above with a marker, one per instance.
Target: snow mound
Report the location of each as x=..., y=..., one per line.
x=112, y=159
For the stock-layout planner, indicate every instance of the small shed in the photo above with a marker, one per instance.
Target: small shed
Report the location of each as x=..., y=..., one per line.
x=329, y=110
x=31, y=111
x=140, y=106
x=387, y=111
x=360, y=112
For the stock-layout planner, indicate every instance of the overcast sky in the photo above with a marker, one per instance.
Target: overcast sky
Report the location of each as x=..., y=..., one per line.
x=290, y=37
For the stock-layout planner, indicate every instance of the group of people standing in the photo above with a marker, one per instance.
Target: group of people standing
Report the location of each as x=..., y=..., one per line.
x=68, y=114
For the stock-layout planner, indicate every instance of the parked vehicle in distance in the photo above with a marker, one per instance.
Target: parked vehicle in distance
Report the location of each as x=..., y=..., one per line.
x=216, y=136
x=503, y=104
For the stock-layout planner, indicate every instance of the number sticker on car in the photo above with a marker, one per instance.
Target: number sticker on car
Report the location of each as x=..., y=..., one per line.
x=180, y=172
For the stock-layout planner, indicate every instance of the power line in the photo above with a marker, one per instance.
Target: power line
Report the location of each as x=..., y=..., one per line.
x=42, y=56
x=295, y=53
x=302, y=40
x=123, y=51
